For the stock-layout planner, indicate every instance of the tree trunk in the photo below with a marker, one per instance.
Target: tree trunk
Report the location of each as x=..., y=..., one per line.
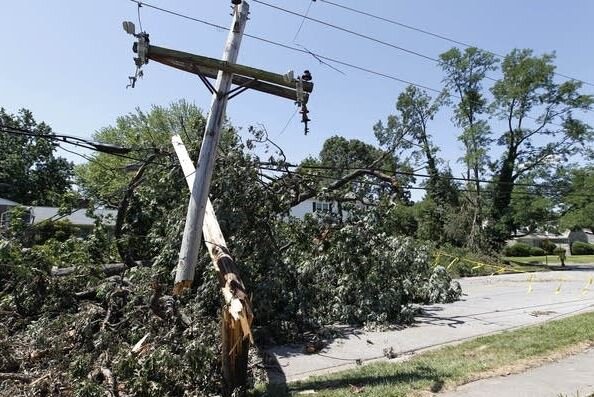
x=502, y=199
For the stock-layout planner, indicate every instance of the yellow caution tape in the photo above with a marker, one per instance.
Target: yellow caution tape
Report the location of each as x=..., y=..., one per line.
x=586, y=289
x=530, y=280
x=452, y=263
x=558, y=290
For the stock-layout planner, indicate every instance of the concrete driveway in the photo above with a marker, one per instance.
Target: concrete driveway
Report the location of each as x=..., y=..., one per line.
x=489, y=304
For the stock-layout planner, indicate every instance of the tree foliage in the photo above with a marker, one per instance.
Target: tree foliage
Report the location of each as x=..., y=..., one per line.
x=541, y=129
x=86, y=322
x=577, y=204
x=30, y=171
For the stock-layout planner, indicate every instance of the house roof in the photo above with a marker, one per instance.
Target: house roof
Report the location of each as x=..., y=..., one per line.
x=4, y=201
x=543, y=236
x=78, y=217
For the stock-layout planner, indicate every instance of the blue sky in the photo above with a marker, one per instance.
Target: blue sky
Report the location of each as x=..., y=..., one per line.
x=69, y=61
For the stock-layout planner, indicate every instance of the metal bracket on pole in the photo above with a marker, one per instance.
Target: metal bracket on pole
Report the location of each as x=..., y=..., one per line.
x=207, y=83
x=141, y=47
x=302, y=99
x=240, y=89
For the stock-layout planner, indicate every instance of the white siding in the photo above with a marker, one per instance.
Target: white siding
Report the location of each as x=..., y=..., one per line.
x=301, y=209
x=306, y=207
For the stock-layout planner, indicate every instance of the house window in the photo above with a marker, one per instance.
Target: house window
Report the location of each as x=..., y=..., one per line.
x=322, y=206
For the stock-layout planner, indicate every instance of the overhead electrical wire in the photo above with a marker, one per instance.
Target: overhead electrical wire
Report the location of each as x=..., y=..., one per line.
x=377, y=184
x=291, y=48
x=436, y=35
x=388, y=44
x=269, y=167
x=104, y=147
x=407, y=173
x=349, y=31
x=317, y=56
x=307, y=17
x=303, y=21
x=107, y=148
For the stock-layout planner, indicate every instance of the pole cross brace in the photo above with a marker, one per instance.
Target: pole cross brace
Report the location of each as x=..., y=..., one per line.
x=206, y=82
x=240, y=89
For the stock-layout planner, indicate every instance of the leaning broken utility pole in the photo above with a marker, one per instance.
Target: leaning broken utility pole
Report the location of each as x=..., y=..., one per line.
x=188, y=254
x=237, y=316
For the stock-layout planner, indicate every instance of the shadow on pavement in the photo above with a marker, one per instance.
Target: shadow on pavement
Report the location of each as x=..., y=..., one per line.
x=428, y=316
x=357, y=381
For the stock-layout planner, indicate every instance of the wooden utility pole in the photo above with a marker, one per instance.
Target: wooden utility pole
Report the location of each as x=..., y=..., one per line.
x=190, y=246
x=237, y=313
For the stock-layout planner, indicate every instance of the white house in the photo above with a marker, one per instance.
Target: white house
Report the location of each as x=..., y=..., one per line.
x=562, y=240
x=316, y=205
x=310, y=206
x=77, y=218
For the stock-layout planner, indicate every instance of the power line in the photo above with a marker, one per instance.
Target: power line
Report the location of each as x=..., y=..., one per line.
x=265, y=166
x=292, y=48
x=414, y=174
x=288, y=123
x=303, y=20
x=106, y=148
x=89, y=159
x=317, y=56
x=349, y=31
x=436, y=35
x=367, y=183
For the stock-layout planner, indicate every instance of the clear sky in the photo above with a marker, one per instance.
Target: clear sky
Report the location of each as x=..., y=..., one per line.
x=69, y=61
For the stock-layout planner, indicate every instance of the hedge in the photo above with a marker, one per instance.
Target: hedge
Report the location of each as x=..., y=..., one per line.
x=537, y=251
x=518, y=249
x=580, y=248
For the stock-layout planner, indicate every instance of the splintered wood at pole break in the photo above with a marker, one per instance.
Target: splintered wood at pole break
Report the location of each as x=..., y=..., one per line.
x=237, y=313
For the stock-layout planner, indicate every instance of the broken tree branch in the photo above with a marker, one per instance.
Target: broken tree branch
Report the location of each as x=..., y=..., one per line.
x=15, y=376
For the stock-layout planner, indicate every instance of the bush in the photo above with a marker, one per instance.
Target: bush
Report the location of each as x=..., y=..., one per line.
x=518, y=249
x=537, y=251
x=549, y=247
x=580, y=248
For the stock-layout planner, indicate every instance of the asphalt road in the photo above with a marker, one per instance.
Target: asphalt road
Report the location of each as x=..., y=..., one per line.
x=489, y=304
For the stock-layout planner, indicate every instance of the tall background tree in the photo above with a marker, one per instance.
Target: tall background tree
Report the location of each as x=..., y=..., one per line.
x=407, y=135
x=577, y=204
x=465, y=72
x=541, y=129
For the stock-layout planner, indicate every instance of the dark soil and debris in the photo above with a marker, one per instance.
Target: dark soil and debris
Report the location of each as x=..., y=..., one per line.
x=79, y=335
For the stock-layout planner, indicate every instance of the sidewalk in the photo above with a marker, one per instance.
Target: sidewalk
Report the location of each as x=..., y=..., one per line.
x=570, y=377
x=490, y=304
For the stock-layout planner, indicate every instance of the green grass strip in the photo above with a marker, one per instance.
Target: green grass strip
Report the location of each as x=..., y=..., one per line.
x=451, y=365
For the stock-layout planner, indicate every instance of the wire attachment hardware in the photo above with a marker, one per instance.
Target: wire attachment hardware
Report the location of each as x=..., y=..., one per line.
x=140, y=47
x=302, y=98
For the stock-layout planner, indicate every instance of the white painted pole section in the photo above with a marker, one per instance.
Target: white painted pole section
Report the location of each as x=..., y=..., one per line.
x=190, y=247
x=211, y=230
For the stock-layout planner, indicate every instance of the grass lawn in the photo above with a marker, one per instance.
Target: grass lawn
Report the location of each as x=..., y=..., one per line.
x=552, y=259
x=453, y=365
